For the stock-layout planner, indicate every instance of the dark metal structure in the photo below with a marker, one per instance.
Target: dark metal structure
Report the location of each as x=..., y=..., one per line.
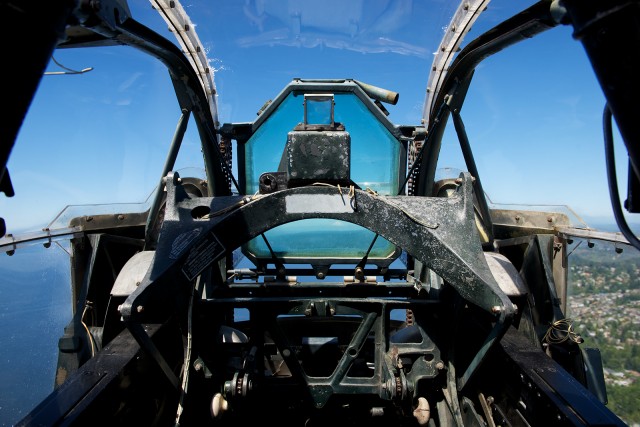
x=190, y=337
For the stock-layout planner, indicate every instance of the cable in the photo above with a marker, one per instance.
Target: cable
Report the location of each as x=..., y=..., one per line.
x=187, y=358
x=612, y=180
x=89, y=334
x=68, y=70
x=561, y=331
x=424, y=144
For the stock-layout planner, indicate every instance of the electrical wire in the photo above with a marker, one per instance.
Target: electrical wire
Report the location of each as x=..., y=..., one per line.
x=244, y=201
x=89, y=334
x=612, y=179
x=427, y=141
x=68, y=70
x=561, y=331
x=187, y=357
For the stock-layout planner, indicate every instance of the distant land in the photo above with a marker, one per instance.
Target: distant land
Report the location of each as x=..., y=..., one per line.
x=609, y=224
x=604, y=303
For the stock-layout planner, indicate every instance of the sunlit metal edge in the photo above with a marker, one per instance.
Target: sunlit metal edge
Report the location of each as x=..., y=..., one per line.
x=9, y=243
x=608, y=236
x=463, y=19
x=184, y=30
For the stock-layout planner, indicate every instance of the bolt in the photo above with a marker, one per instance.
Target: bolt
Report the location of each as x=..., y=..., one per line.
x=120, y=217
x=549, y=219
x=140, y=309
x=332, y=311
x=89, y=218
x=440, y=365
x=496, y=309
x=517, y=217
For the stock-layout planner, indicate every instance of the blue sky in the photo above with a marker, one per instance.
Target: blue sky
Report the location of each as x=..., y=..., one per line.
x=533, y=113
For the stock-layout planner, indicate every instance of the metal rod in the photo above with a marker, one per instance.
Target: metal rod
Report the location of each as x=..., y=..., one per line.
x=471, y=165
x=355, y=346
x=500, y=328
x=181, y=128
x=145, y=342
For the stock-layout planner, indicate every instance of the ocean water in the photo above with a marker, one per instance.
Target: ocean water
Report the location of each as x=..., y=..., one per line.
x=35, y=306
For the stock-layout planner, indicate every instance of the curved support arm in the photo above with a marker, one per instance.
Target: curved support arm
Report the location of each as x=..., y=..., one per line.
x=440, y=232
